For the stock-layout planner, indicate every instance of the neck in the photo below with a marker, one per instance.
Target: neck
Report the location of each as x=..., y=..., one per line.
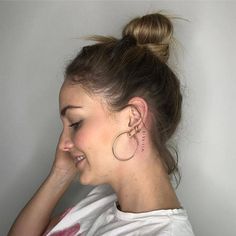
x=145, y=186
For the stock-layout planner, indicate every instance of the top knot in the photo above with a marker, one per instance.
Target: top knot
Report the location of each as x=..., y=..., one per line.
x=154, y=31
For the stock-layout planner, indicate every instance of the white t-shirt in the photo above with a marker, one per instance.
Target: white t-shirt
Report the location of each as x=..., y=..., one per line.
x=98, y=215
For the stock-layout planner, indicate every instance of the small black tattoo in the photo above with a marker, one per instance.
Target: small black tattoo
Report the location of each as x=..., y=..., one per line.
x=143, y=138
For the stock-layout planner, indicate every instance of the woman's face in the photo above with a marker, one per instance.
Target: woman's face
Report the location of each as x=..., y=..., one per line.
x=89, y=131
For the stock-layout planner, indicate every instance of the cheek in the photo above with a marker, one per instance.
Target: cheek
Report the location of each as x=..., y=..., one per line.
x=93, y=137
x=82, y=139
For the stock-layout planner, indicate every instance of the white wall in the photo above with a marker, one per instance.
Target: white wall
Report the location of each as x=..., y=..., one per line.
x=37, y=39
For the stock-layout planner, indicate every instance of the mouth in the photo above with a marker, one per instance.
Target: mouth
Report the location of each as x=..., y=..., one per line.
x=79, y=159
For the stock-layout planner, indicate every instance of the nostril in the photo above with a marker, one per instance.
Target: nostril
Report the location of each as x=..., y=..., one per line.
x=61, y=147
x=66, y=146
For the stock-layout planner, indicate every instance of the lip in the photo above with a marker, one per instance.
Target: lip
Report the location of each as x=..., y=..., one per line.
x=79, y=159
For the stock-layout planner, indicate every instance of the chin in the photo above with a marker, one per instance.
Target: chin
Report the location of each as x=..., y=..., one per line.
x=88, y=180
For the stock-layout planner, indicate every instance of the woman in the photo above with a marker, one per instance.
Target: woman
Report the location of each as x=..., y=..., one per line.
x=120, y=103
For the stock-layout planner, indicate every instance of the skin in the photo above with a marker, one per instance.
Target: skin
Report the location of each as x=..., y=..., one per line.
x=92, y=138
x=141, y=183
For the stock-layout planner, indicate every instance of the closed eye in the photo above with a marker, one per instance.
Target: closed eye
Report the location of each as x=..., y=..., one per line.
x=76, y=125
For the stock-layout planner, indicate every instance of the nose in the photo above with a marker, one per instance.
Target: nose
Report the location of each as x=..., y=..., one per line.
x=65, y=143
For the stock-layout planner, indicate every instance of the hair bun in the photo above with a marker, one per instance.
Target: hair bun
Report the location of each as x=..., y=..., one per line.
x=153, y=31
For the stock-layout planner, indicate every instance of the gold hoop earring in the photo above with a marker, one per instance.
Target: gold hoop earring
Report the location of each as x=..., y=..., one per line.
x=115, y=142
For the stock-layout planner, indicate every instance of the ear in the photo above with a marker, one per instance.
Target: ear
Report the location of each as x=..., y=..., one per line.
x=138, y=112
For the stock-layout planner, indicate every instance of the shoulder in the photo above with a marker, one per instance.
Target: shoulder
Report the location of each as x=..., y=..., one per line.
x=180, y=224
x=98, y=200
x=158, y=222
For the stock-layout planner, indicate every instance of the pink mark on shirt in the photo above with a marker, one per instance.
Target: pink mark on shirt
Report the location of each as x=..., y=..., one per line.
x=71, y=231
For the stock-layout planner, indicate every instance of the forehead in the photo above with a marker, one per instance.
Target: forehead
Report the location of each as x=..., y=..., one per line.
x=76, y=95
x=73, y=93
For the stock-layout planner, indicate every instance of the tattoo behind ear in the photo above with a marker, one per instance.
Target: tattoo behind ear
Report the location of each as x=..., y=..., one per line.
x=143, y=139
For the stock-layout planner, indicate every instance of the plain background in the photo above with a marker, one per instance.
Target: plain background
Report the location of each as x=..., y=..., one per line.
x=38, y=39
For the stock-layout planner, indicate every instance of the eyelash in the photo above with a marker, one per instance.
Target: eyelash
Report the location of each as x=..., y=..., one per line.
x=76, y=125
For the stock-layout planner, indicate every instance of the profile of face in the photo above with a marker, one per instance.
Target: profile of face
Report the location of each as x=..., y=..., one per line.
x=89, y=130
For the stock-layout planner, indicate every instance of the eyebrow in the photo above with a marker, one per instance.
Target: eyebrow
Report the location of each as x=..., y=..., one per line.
x=63, y=110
